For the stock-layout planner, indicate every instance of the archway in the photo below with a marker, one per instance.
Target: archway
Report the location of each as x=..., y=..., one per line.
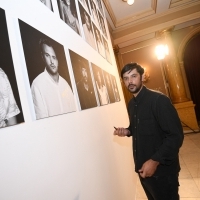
x=191, y=60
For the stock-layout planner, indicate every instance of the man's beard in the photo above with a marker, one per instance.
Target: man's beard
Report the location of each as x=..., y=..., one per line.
x=136, y=89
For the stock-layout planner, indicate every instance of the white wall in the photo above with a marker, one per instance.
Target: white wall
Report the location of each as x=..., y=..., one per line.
x=67, y=157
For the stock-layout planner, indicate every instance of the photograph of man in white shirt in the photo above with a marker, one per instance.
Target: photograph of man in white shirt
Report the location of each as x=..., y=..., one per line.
x=51, y=93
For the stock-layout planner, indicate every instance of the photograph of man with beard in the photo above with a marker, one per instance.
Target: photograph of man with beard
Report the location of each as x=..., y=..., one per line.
x=51, y=93
x=83, y=80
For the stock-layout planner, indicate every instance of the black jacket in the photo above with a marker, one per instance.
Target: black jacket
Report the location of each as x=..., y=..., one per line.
x=157, y=131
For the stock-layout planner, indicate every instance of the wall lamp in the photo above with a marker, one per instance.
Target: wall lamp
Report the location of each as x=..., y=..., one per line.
x=129, y=2
x=161, y=51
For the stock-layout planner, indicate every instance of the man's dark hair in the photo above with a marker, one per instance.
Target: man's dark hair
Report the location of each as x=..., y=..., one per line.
x=129, y=67
x=45, y=41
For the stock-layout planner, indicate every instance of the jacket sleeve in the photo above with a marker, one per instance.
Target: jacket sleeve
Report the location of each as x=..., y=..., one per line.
x=170, y=124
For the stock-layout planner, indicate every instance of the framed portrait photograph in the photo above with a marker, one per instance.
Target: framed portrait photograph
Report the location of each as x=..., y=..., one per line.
x=100, y=85
x=83, y=79
x=68, y=13
x=109, y=86
x=99, y=41
x=87, y=27
x=48, y=73
x=115, y=88
x=11, y=112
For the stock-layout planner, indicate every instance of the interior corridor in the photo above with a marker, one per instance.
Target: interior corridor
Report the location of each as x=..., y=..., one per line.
x=189, y=178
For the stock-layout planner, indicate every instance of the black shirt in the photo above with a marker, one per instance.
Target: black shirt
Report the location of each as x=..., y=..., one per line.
x=157, y=131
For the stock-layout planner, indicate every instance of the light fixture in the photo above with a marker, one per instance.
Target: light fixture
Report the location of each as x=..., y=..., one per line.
x=161, y=51
x=129, y=2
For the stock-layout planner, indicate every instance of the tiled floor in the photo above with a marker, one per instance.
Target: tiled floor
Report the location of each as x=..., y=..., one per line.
x=190, y=170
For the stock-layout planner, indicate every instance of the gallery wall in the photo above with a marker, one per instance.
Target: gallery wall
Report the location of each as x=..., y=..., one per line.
x=53, y=152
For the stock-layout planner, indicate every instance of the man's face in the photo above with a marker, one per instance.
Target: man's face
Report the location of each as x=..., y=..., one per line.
x=132, y=81
x=50, y=59
x=84, y=74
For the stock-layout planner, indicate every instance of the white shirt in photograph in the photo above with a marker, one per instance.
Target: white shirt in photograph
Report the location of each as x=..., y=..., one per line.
x=51, y=98
x=8, y=106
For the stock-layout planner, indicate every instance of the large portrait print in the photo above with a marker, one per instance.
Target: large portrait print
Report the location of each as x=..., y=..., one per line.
x=68, y=14
x=100, y=85
x=48, y=73
x=83, y=81
x=10, y=105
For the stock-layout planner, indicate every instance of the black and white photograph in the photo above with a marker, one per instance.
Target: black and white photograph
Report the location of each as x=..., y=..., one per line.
x=115, y=88
x=85, y=4
x=100, y=85
x=109, y=87
x=83, y=79
x=47, y=3
x=100, y=6
x=87, y=27
x=94, y=13
x=107, y=52
x=10, y=105
x=102, y=24
x=48, y=73
x=68, y=13
x=99, y=42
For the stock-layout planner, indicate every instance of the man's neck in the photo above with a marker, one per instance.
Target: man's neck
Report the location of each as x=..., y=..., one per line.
x=138, y=92
x=55, y=77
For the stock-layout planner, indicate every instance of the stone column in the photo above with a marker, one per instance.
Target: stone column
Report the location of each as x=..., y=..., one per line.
x=173, y=72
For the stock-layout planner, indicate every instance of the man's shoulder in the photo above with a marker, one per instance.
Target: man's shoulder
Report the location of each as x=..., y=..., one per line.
x=38, y=79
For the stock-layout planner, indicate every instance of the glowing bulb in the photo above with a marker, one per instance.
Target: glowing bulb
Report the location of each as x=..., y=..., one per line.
x=160, y=52
x=130, y=2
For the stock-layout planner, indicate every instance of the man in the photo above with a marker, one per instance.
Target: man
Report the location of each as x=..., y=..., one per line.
x=51, y=93
x=87, y=28
x=157, y=136
x=85, y=89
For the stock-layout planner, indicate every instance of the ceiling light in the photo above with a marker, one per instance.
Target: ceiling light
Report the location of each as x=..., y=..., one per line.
x=129, y=2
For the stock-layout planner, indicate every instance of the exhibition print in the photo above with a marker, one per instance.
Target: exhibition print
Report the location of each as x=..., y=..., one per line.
x=100, y=85
x=87, y=27
x=10, y=105
x=47, y=3
x=109, y=87
x=99, y=41
x=83, y=81
x=68, y=13
x=115, y=88
x=107, y=52
x=48, y=73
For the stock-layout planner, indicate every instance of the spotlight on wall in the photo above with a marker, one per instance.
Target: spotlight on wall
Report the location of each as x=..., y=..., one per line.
x=129, y=2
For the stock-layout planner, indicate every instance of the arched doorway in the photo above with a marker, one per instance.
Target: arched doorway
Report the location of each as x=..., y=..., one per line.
x=191, y=59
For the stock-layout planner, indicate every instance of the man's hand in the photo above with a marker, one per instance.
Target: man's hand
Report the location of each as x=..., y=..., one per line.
x=121, y=132
x=148, y=168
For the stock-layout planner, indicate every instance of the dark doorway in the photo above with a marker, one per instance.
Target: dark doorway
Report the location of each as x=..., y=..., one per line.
x=192, y=69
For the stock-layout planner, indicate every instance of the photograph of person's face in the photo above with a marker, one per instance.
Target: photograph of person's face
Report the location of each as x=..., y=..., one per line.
x=50, y=59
